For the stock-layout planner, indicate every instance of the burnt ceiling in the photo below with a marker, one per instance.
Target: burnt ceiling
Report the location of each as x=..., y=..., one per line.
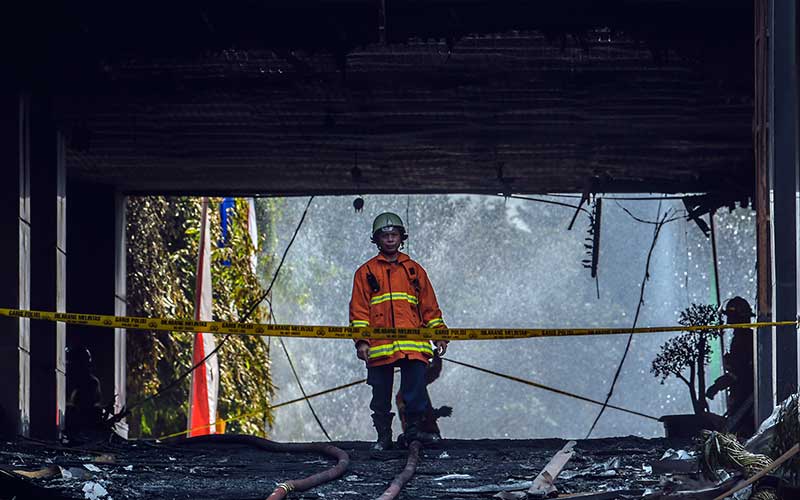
x=420, y=97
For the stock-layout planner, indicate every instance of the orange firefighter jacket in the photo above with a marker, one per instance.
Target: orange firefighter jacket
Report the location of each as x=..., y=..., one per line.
x=404, y=298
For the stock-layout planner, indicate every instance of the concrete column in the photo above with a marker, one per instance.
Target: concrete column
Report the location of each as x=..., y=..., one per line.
x=120, y=309
x=784, y=180
x=48, y=271
x=15, y=262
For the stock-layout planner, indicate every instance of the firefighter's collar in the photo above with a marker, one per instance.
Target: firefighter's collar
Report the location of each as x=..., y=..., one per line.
x=401, y=257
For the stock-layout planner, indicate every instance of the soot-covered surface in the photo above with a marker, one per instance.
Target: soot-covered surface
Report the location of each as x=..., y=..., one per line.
x=453, y=469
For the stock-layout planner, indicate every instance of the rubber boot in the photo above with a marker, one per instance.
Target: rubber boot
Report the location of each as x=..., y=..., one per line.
x=383, y=426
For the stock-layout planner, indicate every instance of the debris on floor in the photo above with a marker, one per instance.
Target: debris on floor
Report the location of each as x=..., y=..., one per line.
x=95, y=491
x=544, y=484
x=597, y=469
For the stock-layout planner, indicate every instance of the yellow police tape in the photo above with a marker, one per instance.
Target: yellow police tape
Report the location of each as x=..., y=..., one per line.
x=342, y=332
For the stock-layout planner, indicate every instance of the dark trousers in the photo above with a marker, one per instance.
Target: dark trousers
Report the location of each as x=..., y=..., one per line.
x=412, y=387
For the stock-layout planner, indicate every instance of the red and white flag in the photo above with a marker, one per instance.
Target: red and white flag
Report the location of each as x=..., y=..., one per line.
x=205, y=379
x=252, y=229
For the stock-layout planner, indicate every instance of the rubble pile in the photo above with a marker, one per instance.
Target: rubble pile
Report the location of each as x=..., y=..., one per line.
x=597, y=469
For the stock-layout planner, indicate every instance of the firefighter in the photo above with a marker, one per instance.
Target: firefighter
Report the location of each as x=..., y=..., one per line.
x=392, y=291
x=738, y=366
x=85, y=413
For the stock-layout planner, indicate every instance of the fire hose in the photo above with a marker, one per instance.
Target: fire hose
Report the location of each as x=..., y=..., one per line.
x=411, y=465
x=306, y=483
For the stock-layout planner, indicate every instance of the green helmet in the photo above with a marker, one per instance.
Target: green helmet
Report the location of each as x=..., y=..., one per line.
x=388, y=220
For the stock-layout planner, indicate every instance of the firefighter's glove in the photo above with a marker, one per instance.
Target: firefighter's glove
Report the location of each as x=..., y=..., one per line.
x=441, y=347
x=362, y=351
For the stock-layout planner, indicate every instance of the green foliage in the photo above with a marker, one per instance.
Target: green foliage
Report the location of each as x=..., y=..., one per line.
x=690, y=351
x=162, y=257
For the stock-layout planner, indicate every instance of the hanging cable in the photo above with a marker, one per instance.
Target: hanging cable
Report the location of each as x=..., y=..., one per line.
x=656, y=231
x=321, y=393
x=269, y=407
x=303, y=391
x=408, y=224
x=715, y=263
x=273, y=320
x=542, y=200
x=280, y=264
x=580, y=208
x=549, y=389
x=686, y=261
x=717, y=298
x=450, y=360
x=126, y=410
x=644, y=221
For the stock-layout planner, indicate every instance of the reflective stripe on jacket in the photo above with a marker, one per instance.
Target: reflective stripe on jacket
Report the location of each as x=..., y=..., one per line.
x=405, y=299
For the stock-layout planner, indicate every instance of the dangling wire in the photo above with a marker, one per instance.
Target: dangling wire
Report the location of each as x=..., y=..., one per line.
x=592, y=242
x=656, y=231
x=408, y=224
x=542, y=200
x=300, y=385
x=273, y=321
x=686, y=260
x=652, y=222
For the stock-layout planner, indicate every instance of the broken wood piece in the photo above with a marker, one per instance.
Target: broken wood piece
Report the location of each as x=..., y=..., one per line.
x=544, y=484
x=492, y=488
x=777, y=463
x=49, y=471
